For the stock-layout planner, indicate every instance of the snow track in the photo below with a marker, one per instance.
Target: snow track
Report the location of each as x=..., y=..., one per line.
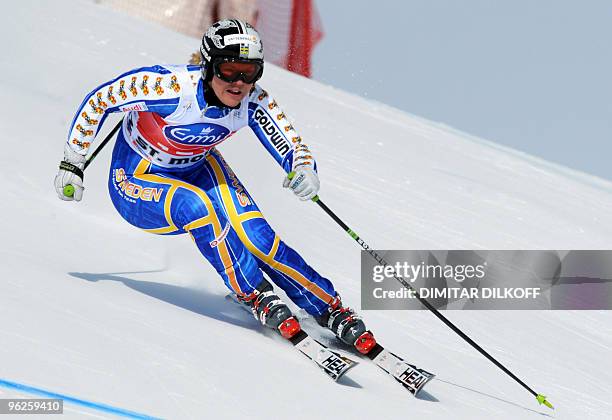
x=93, y=308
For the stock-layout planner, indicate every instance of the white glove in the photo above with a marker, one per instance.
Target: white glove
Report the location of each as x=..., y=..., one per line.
x=305, y=183
x=70, y=173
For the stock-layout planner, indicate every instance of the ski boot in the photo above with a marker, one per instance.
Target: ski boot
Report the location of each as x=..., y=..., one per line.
x=347, y=326
x=271, y=311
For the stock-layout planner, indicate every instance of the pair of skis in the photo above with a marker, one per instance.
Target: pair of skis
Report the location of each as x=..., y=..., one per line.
x=336, y=365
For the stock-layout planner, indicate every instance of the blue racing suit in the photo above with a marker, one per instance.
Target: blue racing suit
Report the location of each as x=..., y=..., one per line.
x=168, y=178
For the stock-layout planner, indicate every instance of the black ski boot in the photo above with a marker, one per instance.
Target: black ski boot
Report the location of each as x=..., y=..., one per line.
x=271, y=311
x=347, y=326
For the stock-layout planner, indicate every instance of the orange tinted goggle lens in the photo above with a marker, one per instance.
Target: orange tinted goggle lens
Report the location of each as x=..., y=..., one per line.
x=230, y=71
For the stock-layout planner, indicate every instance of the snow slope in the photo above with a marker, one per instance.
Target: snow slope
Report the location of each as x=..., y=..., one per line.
x=94, y=309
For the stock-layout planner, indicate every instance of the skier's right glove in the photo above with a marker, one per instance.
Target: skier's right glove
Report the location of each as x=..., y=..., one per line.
x=70, y=173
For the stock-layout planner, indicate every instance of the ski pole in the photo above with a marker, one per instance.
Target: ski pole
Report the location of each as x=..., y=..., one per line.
x=69, y=189
x=541, y=398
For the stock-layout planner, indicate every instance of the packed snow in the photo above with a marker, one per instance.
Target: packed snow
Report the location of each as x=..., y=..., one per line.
x=97, y=310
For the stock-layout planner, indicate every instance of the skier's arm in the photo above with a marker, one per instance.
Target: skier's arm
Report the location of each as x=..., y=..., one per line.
x=155, y=89
x=281, y=140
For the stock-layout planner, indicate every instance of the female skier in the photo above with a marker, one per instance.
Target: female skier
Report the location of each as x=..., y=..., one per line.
x=168, y=178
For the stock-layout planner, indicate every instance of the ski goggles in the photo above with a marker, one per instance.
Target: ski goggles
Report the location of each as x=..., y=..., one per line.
x=230, y=70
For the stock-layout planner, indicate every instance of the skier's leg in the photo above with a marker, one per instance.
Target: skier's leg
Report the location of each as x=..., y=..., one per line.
x=165, y=204
x=307, y=288
x=168, y=204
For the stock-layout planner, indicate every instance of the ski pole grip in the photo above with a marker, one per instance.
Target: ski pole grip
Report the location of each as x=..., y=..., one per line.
x=291, y=174
x=68, y=190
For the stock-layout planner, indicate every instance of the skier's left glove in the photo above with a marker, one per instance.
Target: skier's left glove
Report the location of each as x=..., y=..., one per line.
x=304, y=182
x=70, y=173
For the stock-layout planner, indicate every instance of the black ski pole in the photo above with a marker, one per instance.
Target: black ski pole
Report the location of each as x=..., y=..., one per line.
x=541, y=398
x=69, y=189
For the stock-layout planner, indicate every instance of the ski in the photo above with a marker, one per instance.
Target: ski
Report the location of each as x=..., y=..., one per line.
x=410, y=376
x=333, y=364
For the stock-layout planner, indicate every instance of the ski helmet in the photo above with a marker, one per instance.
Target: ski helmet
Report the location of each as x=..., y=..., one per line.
x=230, y=40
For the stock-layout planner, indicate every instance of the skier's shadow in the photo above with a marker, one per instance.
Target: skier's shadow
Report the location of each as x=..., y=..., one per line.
x=197, y=301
